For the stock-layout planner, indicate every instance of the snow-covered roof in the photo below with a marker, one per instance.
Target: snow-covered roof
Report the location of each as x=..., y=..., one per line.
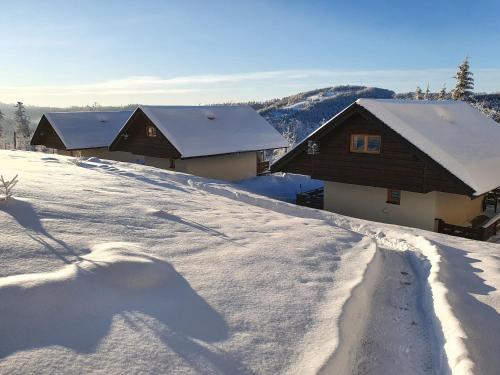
x=213, y=130
x=453, y=133
x=80, y=130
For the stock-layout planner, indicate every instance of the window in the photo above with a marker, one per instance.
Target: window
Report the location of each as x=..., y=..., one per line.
x=312, y=147
x=393, y=196
x=150, y=131
x=172, y=164
x=365, y=143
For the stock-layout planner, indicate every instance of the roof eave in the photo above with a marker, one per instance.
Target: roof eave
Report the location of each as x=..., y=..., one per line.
x=192, y=156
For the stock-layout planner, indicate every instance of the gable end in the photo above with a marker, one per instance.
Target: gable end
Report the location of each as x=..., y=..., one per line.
x=133, y=138
x=399, y=165
x=46, y=135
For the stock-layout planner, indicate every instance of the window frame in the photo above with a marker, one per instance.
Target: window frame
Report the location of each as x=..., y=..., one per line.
x=390, y=197
x=154, y=133
x=365, y=149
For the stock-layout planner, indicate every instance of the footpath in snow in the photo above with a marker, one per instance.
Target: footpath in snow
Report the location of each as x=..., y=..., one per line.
x=120, y=267
x=384, y=327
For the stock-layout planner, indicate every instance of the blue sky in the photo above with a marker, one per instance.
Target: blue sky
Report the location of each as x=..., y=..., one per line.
x=190, y=52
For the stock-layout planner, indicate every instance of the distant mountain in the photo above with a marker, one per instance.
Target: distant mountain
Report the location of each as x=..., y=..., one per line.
x=298, y=115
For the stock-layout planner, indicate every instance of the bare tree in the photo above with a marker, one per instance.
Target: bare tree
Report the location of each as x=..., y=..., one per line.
x=7, y=187
x=1, y=125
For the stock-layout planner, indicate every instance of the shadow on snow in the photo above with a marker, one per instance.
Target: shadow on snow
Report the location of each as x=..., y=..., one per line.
x=77, y=312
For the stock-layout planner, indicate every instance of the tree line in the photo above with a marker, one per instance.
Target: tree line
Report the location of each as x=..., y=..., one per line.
x=463, y=86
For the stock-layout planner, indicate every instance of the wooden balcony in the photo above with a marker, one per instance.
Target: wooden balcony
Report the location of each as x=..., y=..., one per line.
x=481, y=228
x=262, y=167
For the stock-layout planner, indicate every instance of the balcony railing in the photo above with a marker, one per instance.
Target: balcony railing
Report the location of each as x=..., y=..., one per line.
x=482, y=228
x=262, y=167
x=312, y=198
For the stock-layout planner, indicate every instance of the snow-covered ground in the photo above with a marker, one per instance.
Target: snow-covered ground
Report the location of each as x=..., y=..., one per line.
x=114, y=267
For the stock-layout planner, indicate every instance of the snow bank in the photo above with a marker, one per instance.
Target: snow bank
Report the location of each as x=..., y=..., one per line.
x=354, y=318
x=317, y=347
x=109, y=265
x=455, y=357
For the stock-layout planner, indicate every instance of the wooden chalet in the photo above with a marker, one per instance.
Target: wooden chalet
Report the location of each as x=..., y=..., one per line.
x=425, y=164
x=82, y=133
x=223, y=142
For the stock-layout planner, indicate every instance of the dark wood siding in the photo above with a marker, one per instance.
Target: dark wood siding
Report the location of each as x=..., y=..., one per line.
x=400, y=165
x=45, y=135
x=138, y=143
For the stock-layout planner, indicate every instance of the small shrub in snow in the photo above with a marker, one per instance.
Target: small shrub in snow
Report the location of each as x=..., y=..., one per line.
x=7, y=187
x=78, y=161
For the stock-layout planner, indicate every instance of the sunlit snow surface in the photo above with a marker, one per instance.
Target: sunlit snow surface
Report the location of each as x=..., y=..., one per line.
x=120, y=268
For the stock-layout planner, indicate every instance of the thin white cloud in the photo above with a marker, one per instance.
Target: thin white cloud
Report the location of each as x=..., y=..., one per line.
x=241, y=86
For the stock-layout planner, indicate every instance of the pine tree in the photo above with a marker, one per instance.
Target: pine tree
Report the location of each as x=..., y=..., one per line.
x=442, y=93
x=427, y=94
x=22, y=121
x=418, y=93
x=465, y=82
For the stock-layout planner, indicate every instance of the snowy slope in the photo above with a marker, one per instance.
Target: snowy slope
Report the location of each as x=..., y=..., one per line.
x=114, y=267
x=111, y=268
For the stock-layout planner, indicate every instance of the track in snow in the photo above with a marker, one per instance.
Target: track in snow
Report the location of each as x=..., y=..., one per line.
x=384, y=327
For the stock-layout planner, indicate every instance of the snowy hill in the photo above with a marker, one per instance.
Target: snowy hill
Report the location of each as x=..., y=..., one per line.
x=115, y=267
x=300, y=114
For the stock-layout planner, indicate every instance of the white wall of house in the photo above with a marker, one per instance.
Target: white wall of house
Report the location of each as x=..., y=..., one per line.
x=457, y=209
x=415, y=209
x=366, y=202
x=231, y=167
